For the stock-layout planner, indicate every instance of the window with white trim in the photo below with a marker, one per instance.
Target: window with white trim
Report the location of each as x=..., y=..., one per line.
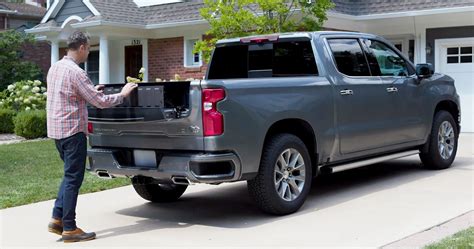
x=459, y=55
x=91, y=66
x=191, y=59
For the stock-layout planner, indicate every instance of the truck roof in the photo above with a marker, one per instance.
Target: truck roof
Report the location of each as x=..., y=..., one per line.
x=297, y=35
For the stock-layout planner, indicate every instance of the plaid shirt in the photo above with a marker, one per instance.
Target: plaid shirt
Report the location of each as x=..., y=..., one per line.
x=69, y=90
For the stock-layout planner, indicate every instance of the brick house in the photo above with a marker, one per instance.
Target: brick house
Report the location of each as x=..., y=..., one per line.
x=159, y=35
x=21, y=16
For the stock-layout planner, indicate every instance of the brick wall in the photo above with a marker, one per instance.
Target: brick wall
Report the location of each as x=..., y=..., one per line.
x=166, y=58
x=40, y=54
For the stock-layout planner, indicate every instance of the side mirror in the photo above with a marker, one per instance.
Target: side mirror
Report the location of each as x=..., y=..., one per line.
x=424, y=70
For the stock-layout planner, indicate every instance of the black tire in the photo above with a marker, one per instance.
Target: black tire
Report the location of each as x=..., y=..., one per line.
x=263, y=189
x=431, y=154
x=149, y=190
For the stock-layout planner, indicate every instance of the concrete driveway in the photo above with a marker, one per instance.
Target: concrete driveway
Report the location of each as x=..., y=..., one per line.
x=367, y=207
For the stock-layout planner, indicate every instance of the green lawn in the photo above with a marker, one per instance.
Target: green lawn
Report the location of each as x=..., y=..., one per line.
x=32, y=171
x=461, y=240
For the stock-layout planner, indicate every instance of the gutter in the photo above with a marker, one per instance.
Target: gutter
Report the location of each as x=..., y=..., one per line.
x=43, y=29
x=15, y=12
x=8, y=11
x=139, y=26
x=175, y=24
x=106, y=23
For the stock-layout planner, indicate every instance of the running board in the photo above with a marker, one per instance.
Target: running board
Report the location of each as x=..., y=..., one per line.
x=358, y=164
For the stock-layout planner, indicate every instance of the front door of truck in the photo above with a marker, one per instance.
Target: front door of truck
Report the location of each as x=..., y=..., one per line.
x=401, y=88
x=361, y=102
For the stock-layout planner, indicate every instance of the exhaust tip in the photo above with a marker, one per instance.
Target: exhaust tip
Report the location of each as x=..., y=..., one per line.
x=103, y=174
x=180, y=180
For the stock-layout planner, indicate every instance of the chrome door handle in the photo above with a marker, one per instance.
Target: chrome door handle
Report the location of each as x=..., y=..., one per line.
x=347, y=92
x=392, y=89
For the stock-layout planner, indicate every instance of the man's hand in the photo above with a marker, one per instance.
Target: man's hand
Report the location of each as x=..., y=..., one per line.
x=127, y=89
x=99, y=88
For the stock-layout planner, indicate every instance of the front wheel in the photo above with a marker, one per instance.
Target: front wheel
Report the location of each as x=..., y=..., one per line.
x=149, y=190
x=442, y=142
x=284, y=177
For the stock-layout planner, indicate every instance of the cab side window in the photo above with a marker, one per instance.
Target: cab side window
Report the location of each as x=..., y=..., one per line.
x=384, y=61
x=349, y=57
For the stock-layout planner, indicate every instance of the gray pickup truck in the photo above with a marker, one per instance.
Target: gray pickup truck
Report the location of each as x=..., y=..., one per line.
x=276, y=111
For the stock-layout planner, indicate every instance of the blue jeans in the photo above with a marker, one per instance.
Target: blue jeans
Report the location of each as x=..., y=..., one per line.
x=73, y=151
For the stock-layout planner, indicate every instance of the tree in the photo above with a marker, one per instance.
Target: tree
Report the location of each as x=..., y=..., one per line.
x=12, y=67
x=237, y=18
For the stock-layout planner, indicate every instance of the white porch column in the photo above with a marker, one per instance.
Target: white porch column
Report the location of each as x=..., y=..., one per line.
x=423, y=46
x=145, y=58
x=54, y=51
x=420, y=46
x=104, y=67
x=420, y=40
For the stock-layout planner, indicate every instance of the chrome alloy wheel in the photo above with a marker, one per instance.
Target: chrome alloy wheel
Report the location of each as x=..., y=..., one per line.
x=289, y=174
x=446, y=140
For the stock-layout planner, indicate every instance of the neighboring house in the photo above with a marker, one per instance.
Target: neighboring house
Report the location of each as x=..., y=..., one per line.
x=19, y=17
x=159, y=35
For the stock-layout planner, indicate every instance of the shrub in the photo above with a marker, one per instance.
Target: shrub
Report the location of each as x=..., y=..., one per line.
x=30, y=124
x=6, y=121
x=24, y=96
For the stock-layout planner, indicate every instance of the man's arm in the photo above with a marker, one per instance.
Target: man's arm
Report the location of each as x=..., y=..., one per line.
x=86, y=89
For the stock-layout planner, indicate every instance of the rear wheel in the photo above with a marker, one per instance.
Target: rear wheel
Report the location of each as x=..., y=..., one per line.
x=149, y=190
x=284, y=178
x=442, y=143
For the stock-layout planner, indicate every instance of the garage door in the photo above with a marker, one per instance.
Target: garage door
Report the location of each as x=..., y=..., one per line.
x=454, y=57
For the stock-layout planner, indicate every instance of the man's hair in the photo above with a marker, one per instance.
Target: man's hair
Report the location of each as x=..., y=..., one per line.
x=77, y=39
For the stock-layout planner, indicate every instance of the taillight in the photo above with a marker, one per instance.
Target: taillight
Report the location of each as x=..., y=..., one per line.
x=90, y=128
x=212, y=120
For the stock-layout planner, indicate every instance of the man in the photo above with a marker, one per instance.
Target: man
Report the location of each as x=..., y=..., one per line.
x=69, y=90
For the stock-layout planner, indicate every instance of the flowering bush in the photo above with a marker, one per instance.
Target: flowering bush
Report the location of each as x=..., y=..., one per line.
x=133, y=80
x=24, y=96
x=140, y=77
x=141, y=73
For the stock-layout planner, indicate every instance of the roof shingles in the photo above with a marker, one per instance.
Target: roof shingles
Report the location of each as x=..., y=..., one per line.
x=24, y=9
x=126, y=11
x=177, y=12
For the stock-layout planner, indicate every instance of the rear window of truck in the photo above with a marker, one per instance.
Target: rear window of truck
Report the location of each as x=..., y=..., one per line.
x=281, y=59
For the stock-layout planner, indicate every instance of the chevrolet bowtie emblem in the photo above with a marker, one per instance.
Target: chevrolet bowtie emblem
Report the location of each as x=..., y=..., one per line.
x=194, y=129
